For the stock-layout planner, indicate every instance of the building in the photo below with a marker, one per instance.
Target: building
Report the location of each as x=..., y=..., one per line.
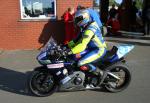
x=28, y=24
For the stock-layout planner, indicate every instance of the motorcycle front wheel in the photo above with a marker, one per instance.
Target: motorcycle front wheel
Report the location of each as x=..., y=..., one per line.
x=121, y=71
x=42, y=83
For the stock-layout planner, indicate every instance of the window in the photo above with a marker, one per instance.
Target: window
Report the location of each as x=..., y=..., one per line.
x=38, y=9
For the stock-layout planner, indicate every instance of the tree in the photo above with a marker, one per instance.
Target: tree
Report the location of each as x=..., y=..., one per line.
x=139, y=4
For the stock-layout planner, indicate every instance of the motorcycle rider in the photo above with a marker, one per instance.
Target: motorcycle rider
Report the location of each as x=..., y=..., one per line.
x=89, y=38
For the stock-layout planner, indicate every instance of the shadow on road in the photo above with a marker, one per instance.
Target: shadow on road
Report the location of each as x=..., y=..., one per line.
x=13, y=81
x=96, y=90
x=16, y=82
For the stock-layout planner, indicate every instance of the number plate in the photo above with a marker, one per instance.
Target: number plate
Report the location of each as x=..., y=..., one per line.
x=59, y=65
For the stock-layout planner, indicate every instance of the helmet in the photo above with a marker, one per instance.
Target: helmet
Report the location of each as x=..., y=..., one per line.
x=81, y=18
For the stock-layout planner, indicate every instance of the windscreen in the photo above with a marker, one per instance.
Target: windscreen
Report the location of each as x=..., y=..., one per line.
x=49, y=45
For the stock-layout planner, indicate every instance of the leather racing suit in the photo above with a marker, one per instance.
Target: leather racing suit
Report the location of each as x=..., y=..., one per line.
x=90, y=38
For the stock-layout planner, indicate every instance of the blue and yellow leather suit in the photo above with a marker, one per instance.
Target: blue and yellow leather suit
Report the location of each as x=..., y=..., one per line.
x=89, y=38
x=95, y=16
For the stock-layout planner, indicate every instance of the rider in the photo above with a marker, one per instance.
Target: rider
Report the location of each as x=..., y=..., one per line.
x=89, y=38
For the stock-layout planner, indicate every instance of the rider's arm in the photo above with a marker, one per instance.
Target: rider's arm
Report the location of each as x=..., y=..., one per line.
x=73, y=42
x=82, y=42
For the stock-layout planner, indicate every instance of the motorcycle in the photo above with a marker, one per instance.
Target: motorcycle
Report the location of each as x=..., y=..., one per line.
x=60, y=73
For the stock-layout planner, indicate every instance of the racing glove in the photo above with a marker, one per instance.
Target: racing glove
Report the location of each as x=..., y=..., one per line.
x=66, y=51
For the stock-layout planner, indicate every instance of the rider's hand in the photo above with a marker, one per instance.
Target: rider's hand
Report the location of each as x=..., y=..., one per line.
x=67, y=52
x=65, y=47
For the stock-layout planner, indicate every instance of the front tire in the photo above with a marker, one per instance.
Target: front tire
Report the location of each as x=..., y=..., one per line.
x=122, y=71
x=42, y=83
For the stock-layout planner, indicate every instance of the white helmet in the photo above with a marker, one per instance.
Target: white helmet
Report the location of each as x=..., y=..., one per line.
x=81, y=18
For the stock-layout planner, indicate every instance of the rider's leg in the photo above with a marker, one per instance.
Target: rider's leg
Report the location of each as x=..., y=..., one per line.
x=91, y=57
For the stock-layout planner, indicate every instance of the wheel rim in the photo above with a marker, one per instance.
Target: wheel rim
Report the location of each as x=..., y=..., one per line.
x=42, y=83
x=113, y=83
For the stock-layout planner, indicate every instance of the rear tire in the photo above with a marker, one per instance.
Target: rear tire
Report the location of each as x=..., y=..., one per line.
x=42, y=83
x=112, y=84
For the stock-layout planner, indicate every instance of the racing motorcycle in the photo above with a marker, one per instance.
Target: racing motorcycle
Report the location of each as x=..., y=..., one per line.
x=59, y=72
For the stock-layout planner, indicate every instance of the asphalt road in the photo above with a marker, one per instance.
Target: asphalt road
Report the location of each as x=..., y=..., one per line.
x=15, y=65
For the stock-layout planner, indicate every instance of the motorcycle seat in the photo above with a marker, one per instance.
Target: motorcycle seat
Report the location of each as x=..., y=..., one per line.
x=110, y=53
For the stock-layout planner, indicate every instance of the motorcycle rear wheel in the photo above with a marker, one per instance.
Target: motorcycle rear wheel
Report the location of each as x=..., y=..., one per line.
x=122, y=71
x=42, y=83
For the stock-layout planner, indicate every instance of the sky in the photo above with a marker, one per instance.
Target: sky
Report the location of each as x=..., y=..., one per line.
x=119, y=1
x=97, y=1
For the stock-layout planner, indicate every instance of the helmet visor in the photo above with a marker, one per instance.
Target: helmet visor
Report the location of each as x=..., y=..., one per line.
x=78, y=19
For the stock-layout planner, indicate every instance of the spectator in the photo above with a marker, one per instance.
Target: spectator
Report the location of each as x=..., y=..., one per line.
x=139, y=18
x=69, y=25
x=121, y=12
x=146, y=20
x=113, y=26
x=113, y=23
x=134, y=10
x=113, y=11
